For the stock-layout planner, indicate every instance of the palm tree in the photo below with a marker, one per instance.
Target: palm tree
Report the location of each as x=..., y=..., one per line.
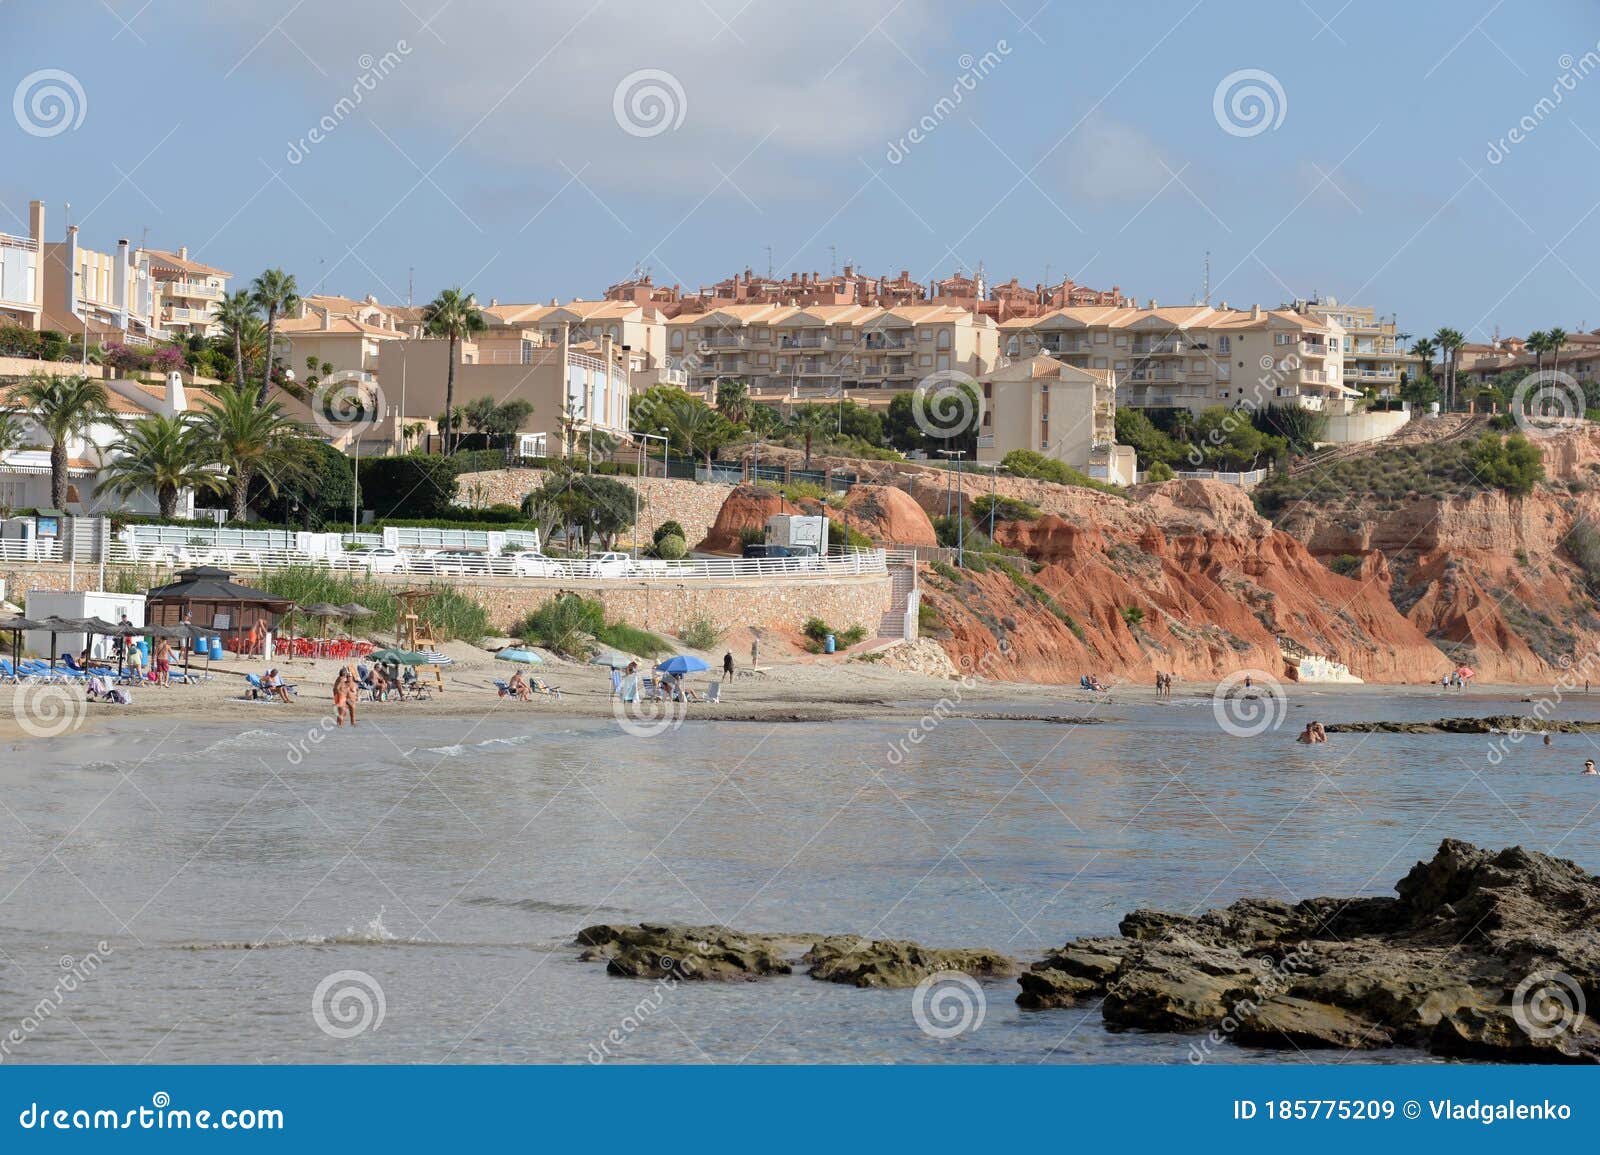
x=234, y=313
x=64, y=407
x=809, y=421
x=1425, y=348
x=733, y=400
x=166, y=454
x=1450, y=342
x=1537, y=343
x=453, y=315
x=251, y=441
x=10, y=433
x=695, y=424
x=1556, y=338
x=273, y=292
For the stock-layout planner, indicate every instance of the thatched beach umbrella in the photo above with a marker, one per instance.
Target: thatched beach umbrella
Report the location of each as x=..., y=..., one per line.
x=18, y=625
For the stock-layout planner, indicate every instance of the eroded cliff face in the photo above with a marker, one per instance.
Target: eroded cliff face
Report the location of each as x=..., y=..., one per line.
x=1189, y=580
x=1487, y=577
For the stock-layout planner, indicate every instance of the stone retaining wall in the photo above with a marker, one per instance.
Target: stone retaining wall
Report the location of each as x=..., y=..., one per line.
x=692, y=504
x=774, y=602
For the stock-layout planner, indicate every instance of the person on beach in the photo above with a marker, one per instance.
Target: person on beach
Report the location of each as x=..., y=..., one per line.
x=1588, y=766
x=135, y=663
x=273, y=684
x=1547, y=739
x=1321, y=734
x=1307, y=736
x=518, y=685
x=163, y=662
x=755, y=652
x=616, y=682
x=727, y=666
x=344, y=697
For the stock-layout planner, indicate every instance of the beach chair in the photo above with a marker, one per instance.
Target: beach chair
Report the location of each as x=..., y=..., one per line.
x=713, y=692
x=540, y=686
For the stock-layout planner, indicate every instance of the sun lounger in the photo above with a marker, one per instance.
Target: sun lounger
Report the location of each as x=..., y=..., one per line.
x=713, y=692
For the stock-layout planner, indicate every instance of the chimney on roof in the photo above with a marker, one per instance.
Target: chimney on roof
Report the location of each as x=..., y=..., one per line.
x=36, y=221
x=1255, y=312
x=176, y=400
x=183, y=252
x=493, y=301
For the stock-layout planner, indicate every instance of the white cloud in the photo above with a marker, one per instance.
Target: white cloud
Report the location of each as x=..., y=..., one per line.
x=535, y=84
x=1110, y=161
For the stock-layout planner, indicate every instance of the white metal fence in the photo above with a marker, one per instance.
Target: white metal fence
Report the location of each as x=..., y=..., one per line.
x=524, y=566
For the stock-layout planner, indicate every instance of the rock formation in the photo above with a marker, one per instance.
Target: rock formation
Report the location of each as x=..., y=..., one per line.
x=1483, y=954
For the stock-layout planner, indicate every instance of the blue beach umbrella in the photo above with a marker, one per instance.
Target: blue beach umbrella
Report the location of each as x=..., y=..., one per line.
x=517, y=654
x=682, y=664
x=612, y=659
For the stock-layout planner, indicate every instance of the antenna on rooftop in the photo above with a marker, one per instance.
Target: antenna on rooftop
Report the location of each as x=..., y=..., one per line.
x=1207, y=297
x=833, y=260
x=411, y=276
x=769, y=262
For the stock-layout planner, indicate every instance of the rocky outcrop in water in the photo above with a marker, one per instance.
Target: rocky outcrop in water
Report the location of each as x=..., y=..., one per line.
x=1488, y=724
x=1482, y=954
x=864, y=962
x=695, y=953
x=716, y=953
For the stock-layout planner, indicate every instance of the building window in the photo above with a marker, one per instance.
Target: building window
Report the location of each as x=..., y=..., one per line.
x=944, y=338
x=925, y=335
x=1101, y=337
x=1223, y=344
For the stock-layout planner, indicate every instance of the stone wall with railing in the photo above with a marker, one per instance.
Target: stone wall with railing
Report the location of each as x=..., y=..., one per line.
x=693, y=505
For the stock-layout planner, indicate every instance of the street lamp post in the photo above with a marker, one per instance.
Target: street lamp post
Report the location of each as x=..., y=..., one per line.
x=961, y=520
x=638, y=480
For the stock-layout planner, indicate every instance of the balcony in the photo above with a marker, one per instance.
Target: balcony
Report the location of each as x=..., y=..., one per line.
x=1061, y=345
x=877, y=341
x=1147, y=348
x=180, y=313
x=1311, y=348
x=192, y=289
x=725, y=340
x=802, y=342
x=7, y=241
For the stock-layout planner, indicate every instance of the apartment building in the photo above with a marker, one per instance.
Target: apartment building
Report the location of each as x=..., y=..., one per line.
x=796, y=353
x=22, y=273
x=516, y=331
x=188, y=291
x=1195, y=356
x=1375, y=353
x=1065, y=412
x=572, y=387
x=108, y=294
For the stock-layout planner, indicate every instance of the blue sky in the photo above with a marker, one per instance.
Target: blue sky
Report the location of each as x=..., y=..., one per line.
x=494, y=149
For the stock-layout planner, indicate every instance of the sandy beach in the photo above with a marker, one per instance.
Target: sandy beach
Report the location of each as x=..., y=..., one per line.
x=794, y=687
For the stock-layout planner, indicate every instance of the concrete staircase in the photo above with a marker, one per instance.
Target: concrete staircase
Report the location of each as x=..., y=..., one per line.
x=903, y=579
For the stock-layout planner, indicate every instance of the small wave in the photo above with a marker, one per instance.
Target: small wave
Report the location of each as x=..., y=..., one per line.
x=245, y=739
x=539, y=906
x=456, y=750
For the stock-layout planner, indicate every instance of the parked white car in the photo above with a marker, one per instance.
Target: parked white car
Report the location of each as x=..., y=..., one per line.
x=536, y=565
x=604, y=565
x=376, y=559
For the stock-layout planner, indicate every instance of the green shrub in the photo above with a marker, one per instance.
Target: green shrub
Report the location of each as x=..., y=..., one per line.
x=671, y=547
x=1004, y=509
x=573, y=625
x=668, y=528
x=1133, y=615
x=1027, y=463
x=1159, y=471
x=701, y=633
x=451, y=614
x=816, y=632
x=752, y=535
x=1345, y=565
x=409, y=485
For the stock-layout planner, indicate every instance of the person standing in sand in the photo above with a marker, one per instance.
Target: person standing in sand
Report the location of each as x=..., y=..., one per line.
x=727, y=666
x=163, y=662
x=755, y=652
x=344, y=697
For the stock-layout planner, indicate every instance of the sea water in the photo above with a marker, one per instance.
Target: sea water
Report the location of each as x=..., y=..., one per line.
x=408, y=891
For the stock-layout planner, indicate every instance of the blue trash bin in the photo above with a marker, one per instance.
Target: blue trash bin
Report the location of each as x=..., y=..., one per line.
x=828, y=644
x=216, y=649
